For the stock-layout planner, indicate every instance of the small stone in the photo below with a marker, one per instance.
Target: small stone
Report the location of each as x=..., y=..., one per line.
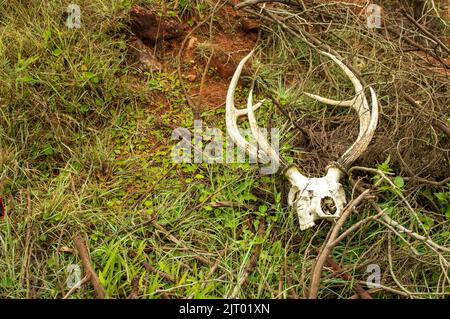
x=142, y=57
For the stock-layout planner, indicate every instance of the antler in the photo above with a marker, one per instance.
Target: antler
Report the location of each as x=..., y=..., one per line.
x=265, y=152
x=367, y=120
x=312, y=198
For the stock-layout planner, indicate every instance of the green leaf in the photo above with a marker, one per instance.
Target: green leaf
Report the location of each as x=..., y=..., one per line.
x=51, y=262
x=148, y=203
x=47, y=35
x=99, y=102
x=248, y=197
x=57, y=52
x=101, y=278
x=84, y=109
x=48, y=150
x=91, y=77
x=442, y=197
x=262, y=209
x=58, y=217
x=385, y=166
x=399, y=182
x=447, y=213
x=183, y=278
x=278, y=198
x=28, y=79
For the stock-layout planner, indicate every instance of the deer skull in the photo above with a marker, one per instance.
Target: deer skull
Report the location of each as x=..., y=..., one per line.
x=315, y=198
x=311, y=198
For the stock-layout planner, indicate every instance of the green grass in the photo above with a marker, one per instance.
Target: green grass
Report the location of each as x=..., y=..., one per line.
x=81, y=154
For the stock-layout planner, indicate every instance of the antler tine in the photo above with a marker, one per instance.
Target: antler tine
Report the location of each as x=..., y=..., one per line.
x=367, y=120
x=232, y=114
x=261, y=140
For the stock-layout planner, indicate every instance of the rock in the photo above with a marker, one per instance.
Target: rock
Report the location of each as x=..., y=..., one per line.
x=142, y=57
x=146, y=24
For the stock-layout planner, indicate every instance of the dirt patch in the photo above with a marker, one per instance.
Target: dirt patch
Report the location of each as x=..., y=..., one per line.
x=228, y=44
x=148, y=25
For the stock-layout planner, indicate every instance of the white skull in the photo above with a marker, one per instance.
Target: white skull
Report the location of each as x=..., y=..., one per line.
x=316, y=198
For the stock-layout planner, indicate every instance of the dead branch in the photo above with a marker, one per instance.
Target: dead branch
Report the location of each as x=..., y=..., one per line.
x=85, y=260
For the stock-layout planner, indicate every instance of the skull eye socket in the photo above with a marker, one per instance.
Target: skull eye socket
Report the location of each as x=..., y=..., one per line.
x=328, y=205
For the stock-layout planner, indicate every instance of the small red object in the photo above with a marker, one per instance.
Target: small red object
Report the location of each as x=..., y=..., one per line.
x=2, y=208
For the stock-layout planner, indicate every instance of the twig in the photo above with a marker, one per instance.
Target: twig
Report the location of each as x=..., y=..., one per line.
x=280, y=283
x=356, y=287
x=85, y=260
x=407, y=231
x=254, y=2
x=369, y=291
x=293, y=292
x=232, y=205
x=355, y=227
x=399, y=193
x=420, y=47
x=212, y=270
x=287, y=115
x=393, y=290
x=307, y=37
x=152, y=188
x=202, y=82
x=251, y=262
x=179, y=243
x=425, y=31
x=440, y=125
x=391, y=269
x=392, y=222
x=76, y=286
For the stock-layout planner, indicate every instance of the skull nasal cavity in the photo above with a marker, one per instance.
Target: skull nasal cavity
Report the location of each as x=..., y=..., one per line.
x=328, y=205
